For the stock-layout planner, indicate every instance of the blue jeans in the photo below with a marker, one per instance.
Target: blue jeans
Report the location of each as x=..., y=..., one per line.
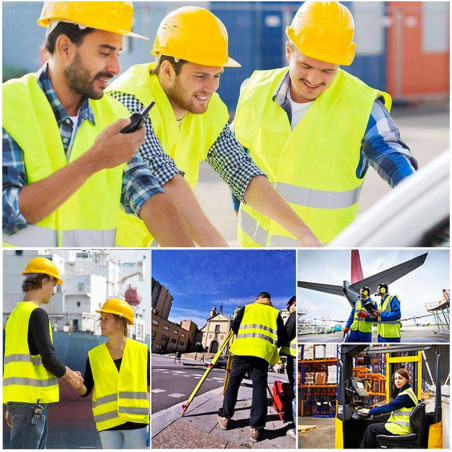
x=124, y=439
x=26, y=431
x=387, y=339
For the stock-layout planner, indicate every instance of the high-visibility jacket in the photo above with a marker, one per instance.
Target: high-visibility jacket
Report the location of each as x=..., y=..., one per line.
x=360, y=324
x=121, y=396
x=289, y=349
x=389, y=328
x=313, y=167
x=258, y=333
x=186, y=143
x=399, y=421
x=90, y=216
x=25, y=379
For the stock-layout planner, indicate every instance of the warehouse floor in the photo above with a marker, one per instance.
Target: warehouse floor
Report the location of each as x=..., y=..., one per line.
x=321, y=438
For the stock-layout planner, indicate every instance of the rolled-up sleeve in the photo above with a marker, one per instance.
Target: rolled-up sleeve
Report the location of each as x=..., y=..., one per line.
x=14, y=179
x=228, y=158
x=138, y=185
x=161, y=165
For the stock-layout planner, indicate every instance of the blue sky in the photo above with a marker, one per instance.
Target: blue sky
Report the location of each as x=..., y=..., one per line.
x=201, y=279
x=423, y=285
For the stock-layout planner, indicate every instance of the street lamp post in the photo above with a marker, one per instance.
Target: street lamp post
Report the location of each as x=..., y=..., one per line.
x=197, y=349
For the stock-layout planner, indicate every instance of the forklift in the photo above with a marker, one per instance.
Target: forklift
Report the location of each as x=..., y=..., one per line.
x=353, y=394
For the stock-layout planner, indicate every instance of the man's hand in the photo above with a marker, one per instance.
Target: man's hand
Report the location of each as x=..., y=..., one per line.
x=7, y=419
x=363, y=411
x=345, y=331
x=113, y=148
x=75, y=379
x=376, y=313
x=362, y=315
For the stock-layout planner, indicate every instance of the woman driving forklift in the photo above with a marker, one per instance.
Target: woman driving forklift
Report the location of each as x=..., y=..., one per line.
x=400, y=408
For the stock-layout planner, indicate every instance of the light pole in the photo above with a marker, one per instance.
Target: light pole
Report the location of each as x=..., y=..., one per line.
x=197, y=349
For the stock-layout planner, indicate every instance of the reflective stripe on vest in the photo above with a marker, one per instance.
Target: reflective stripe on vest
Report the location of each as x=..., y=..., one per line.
x=291, y=349
x=390, y=328
x=258, y=333
x=186, y=143
x=120, y=397
x=87, y=218
x=324, y=191
x=359, y=323
x=399, y=421
x=25, y=379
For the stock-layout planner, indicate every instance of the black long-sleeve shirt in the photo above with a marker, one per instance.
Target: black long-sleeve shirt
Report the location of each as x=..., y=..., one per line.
x=39, y=342
x=291, y=327
x=282, y=335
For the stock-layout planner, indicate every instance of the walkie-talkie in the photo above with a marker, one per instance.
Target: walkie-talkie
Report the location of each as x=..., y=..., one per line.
x=137, y=120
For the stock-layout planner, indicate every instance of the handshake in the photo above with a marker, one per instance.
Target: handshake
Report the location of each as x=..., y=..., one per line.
x=75, y=379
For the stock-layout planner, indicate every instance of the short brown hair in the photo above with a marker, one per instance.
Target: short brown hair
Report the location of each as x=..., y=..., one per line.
x=72, y=31
x=35, y=281
x=122, y=322
x=177, y=65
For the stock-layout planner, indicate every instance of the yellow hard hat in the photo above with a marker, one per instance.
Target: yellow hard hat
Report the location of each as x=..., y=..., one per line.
x=115, y=17
x=43, y=265
x=196, y=35
x=324, y=31
x=118, y=307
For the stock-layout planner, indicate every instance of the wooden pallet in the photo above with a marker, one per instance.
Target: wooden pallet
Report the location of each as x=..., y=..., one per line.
x=306, y=428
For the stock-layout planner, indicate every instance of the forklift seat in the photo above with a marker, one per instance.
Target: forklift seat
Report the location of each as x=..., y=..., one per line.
x=412, y=440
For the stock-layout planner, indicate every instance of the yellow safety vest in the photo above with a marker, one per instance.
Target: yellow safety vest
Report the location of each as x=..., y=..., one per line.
x=313, y=167
x=258, y=333
x=359, y=323
x=399, y=421
x=90, y=216
x=391, y=328
x=289, y=350
x=121, y=396
x=187, y=144
x=25, y=379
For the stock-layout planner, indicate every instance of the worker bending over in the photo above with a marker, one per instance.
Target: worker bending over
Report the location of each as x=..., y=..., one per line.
x=190, y=124
x=315, y=129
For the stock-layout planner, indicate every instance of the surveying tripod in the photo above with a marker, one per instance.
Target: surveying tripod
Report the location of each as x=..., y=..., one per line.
x=228, y=340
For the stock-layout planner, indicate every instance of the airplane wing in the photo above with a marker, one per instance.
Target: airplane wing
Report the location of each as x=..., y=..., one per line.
x=391, y=274
x=327, y=288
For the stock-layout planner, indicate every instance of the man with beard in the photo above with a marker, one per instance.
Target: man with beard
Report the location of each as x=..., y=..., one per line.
x=67, y=169
x=190, y=122
x=315, y=129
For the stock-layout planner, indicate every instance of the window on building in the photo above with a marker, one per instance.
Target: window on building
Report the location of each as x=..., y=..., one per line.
x=155, y=322
x=78, y=304
x=181, y=343
x=164, y=338
x=81, y=287
x=166, y=327
x=173, y=341
x=153, y=335
x=175, y=332
x=182, y=335
x=217, y=328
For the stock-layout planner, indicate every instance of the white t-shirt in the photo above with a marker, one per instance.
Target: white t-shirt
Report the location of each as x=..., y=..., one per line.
x=298, y=110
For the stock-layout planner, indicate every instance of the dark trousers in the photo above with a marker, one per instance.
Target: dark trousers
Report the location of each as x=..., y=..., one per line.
x=370, y=436
x=259, y=371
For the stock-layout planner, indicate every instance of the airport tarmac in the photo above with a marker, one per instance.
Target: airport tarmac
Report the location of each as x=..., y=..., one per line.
x=425, y=129
x=419, y=335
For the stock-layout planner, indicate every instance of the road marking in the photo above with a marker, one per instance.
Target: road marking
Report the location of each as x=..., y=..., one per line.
x=156, y=391
x=176, y=395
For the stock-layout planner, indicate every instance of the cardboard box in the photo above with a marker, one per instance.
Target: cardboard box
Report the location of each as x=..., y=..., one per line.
x=320, y=378
x=330, y=351
x=319, y=352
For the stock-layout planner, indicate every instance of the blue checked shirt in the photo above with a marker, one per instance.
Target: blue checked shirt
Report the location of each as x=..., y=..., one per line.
x=226, y=156
x=381, y=146
x=138, y=185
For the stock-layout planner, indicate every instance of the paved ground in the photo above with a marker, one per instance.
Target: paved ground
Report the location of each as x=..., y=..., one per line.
x=198, y=428
x=424, y=128
x=424, y=335
x=174, y=382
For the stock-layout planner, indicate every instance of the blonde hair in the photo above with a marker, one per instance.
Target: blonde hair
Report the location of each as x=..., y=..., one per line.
x=122, y=322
